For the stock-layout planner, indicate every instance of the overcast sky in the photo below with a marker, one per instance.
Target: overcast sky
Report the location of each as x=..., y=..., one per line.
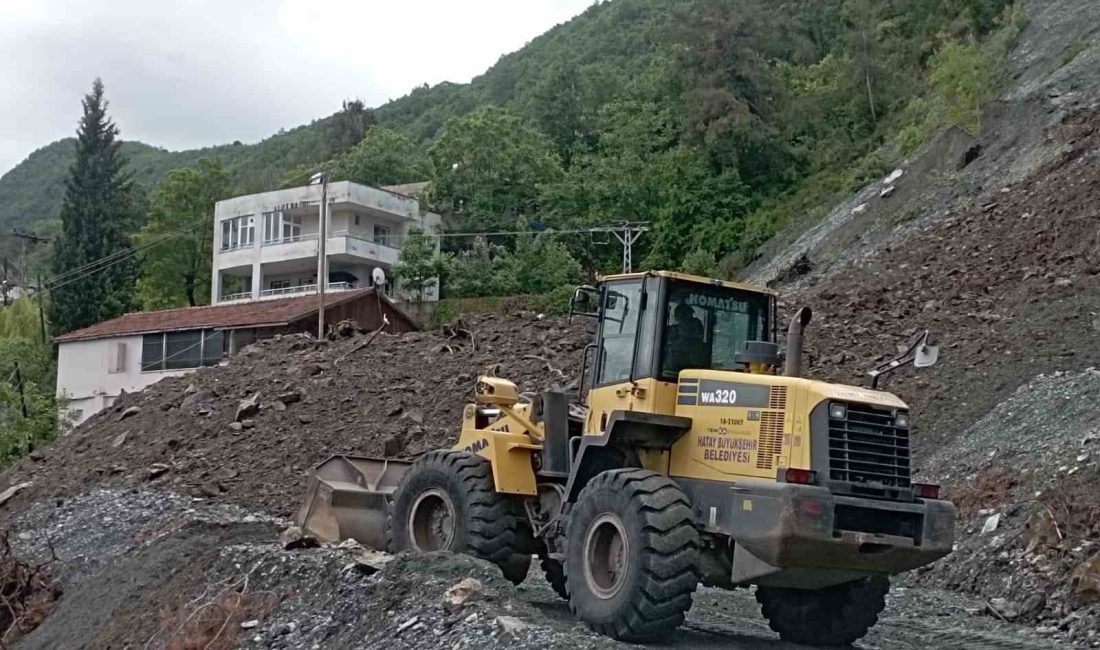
x=188, y=73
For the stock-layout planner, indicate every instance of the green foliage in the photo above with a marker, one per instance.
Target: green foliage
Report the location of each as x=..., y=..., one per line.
x=175, y=265
x=96, y=214
x=718, y=121
x=382, y=157
x=418, y=267
x=20, y=341
x=963, y=75
x=487, y=168
x=539, y=264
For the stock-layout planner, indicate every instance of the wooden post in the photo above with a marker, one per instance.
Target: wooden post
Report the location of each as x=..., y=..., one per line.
x=41, y=295
x=22, y=397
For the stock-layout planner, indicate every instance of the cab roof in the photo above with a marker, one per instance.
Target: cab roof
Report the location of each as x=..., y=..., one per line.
x=687, y=277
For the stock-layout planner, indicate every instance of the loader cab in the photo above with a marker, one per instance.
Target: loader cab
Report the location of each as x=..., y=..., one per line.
x=653, y=325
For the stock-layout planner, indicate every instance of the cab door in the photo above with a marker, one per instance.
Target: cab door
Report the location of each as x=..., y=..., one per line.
x=624, y=326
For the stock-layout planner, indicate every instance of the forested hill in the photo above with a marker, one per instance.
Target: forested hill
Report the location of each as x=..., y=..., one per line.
x=713, y=119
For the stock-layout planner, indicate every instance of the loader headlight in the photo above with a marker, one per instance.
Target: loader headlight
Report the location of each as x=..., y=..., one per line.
x=901, y=420
x=838, y=411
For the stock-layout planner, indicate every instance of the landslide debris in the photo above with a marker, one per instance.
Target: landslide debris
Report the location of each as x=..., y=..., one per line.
x=1010, y=286
x=249, y=432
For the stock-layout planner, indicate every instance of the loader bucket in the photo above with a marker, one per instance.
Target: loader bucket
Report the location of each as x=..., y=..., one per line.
x=348, y=497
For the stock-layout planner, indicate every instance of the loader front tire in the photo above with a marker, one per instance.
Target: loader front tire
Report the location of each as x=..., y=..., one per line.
x=447, y=501
x=632, y=557
x=833, y=616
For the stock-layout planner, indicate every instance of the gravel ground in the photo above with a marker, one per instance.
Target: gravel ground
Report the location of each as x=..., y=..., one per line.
x=161, y=571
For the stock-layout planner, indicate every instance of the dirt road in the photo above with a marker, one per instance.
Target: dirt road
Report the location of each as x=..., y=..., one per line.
x=915, y=619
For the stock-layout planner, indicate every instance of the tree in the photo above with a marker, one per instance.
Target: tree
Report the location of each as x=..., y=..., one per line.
x=963, y=75
x=382, y=157
x=97, y=208
x=418, y=266
x=487, y=168
x=176, y=271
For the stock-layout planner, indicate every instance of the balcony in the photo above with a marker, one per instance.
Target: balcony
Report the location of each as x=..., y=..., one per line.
x=341, y=243
x=286, y=292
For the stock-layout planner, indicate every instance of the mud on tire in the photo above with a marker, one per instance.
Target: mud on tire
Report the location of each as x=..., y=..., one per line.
x=554, y=571
x=447, y=501
x=833, y=616
x=643, y=522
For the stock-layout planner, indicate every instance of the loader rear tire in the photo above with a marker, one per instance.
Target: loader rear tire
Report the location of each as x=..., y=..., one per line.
x=447, y=501
x=632, y=556
x=833, y=616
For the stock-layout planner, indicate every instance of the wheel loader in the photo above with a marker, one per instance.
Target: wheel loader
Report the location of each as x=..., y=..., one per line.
x=700, y=456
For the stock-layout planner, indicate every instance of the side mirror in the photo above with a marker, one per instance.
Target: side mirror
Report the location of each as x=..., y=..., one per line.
x=584, y=302
x=917, y=352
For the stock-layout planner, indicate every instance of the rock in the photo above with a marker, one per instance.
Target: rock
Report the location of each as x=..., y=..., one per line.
x=394, y=445
x=370, y=562
x=1033, y=604
x=894, y=176
x=119, y=440
x=1063, y=282
x=991, y=523
x=1005, y=608
x=510, y=626
x=37, y=455
x=294, y=538
x=289, y=397
x=7, y=494
x=197, y=400
x=305, y=419
x=887, y=191
x=278, y=406
x=248, y=424
x=248, y=407
x=156, y=470
x=248, y=625
x=1086, y=578
x=236, y=426
x=130, y=411
x=466, y=591
x=406, y=625
x=311, y=369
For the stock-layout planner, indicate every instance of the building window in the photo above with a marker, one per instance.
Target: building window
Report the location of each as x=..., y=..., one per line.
x=238, y=232
x=180, y=350
x=116, y=361
x=279, y=284
x=382, y=235
x=357, y=220
x=280, y=227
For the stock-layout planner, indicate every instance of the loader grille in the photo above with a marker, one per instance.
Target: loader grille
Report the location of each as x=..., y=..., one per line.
x=866, y=449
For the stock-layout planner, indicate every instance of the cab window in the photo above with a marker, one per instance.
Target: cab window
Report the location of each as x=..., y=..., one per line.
x=706, y=326
x=618, y=329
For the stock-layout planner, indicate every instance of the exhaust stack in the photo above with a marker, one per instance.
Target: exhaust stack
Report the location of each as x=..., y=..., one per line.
x=792, y=367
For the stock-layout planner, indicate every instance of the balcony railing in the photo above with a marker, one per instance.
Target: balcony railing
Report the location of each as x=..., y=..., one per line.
x=243, y=295
x=290, y=240
x=307, y=288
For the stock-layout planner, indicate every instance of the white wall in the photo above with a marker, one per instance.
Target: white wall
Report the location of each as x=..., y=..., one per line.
x=85, y=379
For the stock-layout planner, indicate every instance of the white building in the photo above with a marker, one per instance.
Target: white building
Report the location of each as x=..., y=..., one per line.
x=266, y=245
x=128, y=353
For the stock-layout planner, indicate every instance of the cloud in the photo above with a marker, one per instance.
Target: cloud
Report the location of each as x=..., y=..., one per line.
x=197, y=72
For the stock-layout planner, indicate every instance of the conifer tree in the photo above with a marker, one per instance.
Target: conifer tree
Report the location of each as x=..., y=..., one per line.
x=95, y=214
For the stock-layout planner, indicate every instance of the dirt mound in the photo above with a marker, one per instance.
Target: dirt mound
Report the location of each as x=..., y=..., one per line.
x=248, y=432
x=1010, y=287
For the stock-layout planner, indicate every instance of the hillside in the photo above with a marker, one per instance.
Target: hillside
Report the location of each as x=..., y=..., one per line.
x=713, y=119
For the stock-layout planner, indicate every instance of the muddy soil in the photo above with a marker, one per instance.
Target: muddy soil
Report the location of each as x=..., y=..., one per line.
x=386, y=396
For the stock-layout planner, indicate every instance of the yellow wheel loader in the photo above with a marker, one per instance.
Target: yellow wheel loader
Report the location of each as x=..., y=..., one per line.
x=699, y=455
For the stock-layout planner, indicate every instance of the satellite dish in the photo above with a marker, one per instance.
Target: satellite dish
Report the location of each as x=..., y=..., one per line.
x=378, y=276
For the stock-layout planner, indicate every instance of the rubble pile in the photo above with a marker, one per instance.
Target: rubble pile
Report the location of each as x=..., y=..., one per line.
x=249, y=432
x=1009, y=285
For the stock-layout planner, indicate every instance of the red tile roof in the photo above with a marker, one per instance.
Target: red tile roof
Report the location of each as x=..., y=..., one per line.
x=259, y=313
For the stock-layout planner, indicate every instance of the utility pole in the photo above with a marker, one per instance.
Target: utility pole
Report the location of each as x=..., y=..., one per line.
x=322, y=259
x=25, y=237
x=40, y=293
x=5, y=286
x=22, y=397
x=627, y=233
